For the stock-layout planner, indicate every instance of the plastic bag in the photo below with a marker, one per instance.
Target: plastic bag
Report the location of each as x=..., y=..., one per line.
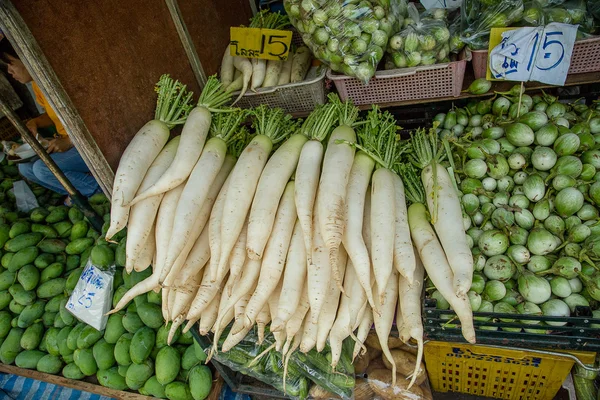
x=25, y=198
x=572, y=12
x=424, y=41
x=92, y=297
x=479, y=16
x=350, y=37
x=533, y=14
x=302, y=369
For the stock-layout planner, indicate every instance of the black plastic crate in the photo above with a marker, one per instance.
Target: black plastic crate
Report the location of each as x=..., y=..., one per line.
x=577, y=334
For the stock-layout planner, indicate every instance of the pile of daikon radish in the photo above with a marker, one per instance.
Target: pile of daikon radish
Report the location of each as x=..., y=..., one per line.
x=302, y=224
x=238, y=72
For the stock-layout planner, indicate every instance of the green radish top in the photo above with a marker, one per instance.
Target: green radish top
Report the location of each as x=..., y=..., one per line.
x=320, y=122
x=426, y=151
x=273, y=123
x=347, y=112
x=226, y=126
x=269, y=20
x=378, y=138
x=214, y=96
x=174, y=102
x=413, y=188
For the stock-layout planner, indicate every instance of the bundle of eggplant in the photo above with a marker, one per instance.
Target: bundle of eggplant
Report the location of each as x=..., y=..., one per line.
x=302, y=225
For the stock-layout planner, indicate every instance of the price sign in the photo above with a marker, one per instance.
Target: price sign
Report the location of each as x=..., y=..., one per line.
x=92, y=297
x=540, y=54
x=270, y=44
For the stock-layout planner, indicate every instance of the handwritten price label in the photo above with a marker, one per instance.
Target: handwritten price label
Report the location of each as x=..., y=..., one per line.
x=92, y=297
x=540, y=54
x=269, y=44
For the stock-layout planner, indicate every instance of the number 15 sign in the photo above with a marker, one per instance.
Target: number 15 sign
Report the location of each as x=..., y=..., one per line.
x=540, y=54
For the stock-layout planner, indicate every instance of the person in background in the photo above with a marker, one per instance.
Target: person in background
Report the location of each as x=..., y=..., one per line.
x=61, y=148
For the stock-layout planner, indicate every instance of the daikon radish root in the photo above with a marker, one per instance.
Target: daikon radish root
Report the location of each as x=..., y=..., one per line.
x=193, y=266
x=234, y=338
x=238, y=82
x=294, y=325
x=273, y=71
x=237, y=259
x=300, y=64
x=198, y=226
x=366, y=231
x=432, y=254
x=227, y=69
x=379, y=140
x=243, y=288
x=272, y=182
x=244, y=65
x=308, y=170
x=207, y=291
x=275, y=254
x=404, y=254
x=331, y=196
x=142, y=215
x=262, y=319
x=346, y=314
x=180, y=300
x=309, y=335
x=318, y=271
x=363, y=331
x=294, y=276
x=358, y=185
x=286, y=70
x=145, y=257
x=259, y=71
x=410, y=303
x=164, y=219
x=384, y=322
x=225, y=131
x=172, y=107
x=273, y=309
x=444, y=207
x=193, y=136
x=214, y=228
x=271, y=127
x=209, y=315
x=329, y=310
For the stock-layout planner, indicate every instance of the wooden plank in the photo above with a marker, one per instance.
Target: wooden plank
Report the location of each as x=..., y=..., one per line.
x=32, y=56
x=108, y=55
x=73, y=384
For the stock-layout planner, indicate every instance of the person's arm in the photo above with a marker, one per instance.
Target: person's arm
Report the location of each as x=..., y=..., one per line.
x=41, y=121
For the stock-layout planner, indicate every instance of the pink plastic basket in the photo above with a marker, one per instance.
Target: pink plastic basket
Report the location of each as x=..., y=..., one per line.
x=424, y=82
x=585, y=58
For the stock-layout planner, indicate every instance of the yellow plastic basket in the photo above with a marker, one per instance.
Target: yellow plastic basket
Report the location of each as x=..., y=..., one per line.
x=497, y=372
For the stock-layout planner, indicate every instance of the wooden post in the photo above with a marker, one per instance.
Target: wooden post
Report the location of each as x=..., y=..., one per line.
x=186, y=41
x=38, y=66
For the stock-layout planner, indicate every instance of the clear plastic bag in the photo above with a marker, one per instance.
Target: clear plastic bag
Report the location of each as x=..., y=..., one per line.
x=480, y=16
x=303, y=370
x=25, y=198
x=350, y=37
x=571, y=12
x=533, y=14
x=424, y=40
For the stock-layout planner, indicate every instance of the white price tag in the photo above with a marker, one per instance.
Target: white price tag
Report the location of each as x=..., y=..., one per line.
x=540, y=54
x=441, y=3
x=92, y=297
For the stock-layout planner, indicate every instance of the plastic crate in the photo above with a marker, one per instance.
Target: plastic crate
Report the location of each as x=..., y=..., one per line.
x=293, y=98
x=585, y=58
x=424, y=82
x=577, y=332
x=502, y=373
